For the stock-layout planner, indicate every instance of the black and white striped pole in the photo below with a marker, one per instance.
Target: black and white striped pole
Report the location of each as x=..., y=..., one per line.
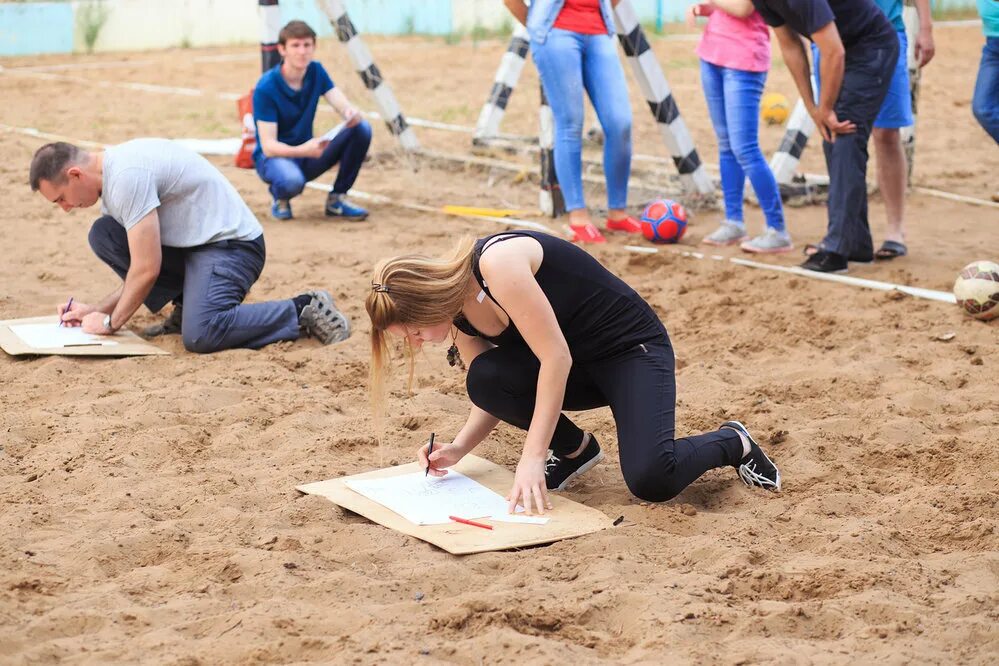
x=550, y=200
x=911, y=19
x=657, y=92
x=364, y=63
x=511, y=65
x=784, y=162
x=270, y=26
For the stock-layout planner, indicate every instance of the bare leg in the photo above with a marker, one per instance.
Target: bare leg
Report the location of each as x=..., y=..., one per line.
x=891, y=180
x=579, y=217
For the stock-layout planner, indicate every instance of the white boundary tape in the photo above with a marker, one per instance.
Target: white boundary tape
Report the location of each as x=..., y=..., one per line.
x=918, y=292
x=955, y=197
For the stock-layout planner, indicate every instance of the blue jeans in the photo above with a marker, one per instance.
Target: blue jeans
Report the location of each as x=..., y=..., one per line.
x=287, y=176
x=733, y=97
x=985, y=102
x=211, y=281
x=568, y=63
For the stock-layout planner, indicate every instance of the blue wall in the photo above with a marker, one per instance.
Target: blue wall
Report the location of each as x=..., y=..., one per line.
x=38, y=27
x=386, y=17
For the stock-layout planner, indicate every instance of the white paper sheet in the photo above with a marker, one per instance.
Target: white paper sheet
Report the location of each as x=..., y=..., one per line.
x=54, y=336
x=329, y=136
x=431, y=500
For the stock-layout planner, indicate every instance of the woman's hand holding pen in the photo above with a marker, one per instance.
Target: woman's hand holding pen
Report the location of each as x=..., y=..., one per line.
x=443, y=456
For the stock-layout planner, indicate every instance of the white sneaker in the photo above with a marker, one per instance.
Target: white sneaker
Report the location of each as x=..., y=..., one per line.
x=728, y=233
x=770, y=241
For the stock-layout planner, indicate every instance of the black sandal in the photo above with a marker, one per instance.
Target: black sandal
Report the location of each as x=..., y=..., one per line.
x=890, y=250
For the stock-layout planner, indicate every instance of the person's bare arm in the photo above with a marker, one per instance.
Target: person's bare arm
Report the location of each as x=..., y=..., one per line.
x=508, y=271
x=737, y=8
x=519, y=10
x=335, y=98
x=796, y=58
x=477, y=426
x=146, y=260
x=271, y=147
x=925, y=47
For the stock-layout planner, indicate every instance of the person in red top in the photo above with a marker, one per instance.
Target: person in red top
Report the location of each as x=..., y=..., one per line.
x=572, y=42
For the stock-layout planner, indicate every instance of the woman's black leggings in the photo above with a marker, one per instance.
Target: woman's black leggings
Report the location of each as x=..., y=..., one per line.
x=640, y=388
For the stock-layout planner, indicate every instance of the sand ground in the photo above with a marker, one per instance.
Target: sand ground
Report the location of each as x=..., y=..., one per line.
x=149, y=512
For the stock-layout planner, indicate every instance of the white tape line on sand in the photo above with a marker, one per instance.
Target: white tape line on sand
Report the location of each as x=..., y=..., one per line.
x=918, y=292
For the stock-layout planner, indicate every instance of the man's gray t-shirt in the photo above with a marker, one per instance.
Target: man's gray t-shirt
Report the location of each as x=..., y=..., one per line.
x=195, y=203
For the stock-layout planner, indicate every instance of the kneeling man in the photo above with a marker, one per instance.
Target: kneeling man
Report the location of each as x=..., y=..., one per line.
x=174, y=229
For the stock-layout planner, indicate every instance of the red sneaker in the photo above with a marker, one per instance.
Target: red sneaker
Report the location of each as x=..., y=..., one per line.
x=628, y=225
x=586, y=233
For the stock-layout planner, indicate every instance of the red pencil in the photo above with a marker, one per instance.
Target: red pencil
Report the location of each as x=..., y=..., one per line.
x=466, y=521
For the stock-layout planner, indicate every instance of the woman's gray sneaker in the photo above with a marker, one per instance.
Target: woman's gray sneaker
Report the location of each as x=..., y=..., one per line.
x=322, y=320
x=770, y=241
x=726, y=234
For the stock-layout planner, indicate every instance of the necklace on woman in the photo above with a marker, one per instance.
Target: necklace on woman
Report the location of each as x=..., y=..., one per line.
x=453, y=355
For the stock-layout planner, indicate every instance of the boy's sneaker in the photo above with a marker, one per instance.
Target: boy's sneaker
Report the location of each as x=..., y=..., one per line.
x=337, y=206
x=727, y=233
x=169, y=326
x=559, y=470
x=321, y=319
x=755, y=469
x=629, y=225
x=281, y=209
x=770, y=241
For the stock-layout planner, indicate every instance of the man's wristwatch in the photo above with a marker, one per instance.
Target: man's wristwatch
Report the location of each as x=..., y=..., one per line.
x=107, y=324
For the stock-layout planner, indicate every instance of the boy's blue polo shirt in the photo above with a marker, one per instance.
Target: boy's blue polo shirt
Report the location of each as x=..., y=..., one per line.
x=293, y=110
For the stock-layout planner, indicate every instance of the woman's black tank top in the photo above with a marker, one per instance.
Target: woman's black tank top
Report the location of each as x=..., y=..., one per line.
x=599, y=314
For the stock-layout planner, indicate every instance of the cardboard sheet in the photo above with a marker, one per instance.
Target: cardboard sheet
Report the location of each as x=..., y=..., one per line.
x=568, y=519
x=127, y=343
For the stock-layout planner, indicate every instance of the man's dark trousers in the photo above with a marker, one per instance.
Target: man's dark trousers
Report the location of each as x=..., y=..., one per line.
x=212, y=281
x=868, y=71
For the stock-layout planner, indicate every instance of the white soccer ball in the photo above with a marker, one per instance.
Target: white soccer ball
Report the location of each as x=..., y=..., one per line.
x=977, y=289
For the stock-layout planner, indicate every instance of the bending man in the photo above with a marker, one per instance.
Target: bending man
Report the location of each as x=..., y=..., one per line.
x=174, y=229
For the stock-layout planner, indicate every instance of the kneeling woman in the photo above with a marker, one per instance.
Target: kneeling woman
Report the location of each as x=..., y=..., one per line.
x=544, y=327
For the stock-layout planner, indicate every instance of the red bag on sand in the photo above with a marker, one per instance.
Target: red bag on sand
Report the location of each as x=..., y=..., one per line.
x=244, y=105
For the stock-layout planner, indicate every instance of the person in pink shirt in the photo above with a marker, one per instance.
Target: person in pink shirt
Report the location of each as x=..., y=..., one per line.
x=735, y=57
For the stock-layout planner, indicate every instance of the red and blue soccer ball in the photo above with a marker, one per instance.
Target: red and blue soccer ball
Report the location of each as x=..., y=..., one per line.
x=664, y=221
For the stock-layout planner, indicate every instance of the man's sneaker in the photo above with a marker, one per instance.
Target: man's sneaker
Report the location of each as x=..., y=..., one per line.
x=281, y=209
x=811, y=249
x=727, y=233
x=169, y=326
x=824, y=261
x=755, y=469
x=321, y=319
x=628, y=224
x=770, y=241
x=337, y=206
x=559, y=470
